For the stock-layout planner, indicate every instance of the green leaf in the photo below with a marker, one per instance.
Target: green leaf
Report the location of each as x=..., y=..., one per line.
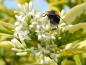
x=74, y=13
x=77, y=59
x=6, y=28
x=80, y=19
x=1, y=52
x=72, y=51
x=77, y=27
x=4, y=36
x=67, y=62
x=6, y=45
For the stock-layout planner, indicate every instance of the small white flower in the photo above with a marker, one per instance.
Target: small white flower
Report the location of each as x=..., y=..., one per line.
x=23, y=35
x=17, y=23
x=44, y=36
x=16, y=50
x=16, y=43
x=31, y=13
x=30, y=6
x=37, y=15
x=64, y=26
x=31, y=26
x=19, y=18
x=53, y=37
x=39, y=37
x=21, y=53
x=18, y=27
x=38, y=27
x=62, y=13
x=47, y=27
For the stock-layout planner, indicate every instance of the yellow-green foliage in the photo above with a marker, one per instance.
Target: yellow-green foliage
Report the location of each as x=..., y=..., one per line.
x=31, y=38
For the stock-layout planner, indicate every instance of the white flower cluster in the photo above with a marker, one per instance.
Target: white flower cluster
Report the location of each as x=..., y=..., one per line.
x=32, y=26
x=41, y=25
x=30, y=21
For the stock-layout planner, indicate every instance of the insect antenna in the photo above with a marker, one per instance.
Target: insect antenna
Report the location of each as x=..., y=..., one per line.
x=64, y=21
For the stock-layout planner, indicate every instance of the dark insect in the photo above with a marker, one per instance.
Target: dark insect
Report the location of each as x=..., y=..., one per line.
x=54, y=17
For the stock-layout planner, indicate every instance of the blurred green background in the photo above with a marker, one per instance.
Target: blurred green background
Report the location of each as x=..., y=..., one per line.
x=7, y=20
